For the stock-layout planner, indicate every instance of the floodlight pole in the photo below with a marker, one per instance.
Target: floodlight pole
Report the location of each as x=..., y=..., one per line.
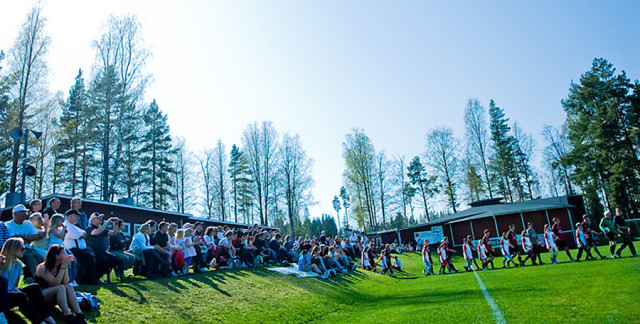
x=23, y=195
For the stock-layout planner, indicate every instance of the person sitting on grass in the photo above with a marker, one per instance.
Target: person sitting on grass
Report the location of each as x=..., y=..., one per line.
x=118, y=243
x=304, y=264
x=583, y=245
x=504, y=248
x=318, y=261
x=551, y=244
x=397, y=265
x=527, y=247
x=29, y=298
x=589, y=233
x=53, y=278
x=385, y=261
x=426, y=258
x=559, y=236
x=335, y=260
x=57, y=232
x=484, y=256
x=74, y=240
x=610, y=231
x=227, y=251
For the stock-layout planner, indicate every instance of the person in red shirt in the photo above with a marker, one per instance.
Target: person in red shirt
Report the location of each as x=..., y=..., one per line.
x=560, y=242
x=514, y=247
x=588, y=233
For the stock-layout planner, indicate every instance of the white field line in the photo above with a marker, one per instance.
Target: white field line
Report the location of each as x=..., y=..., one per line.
x=497, y=314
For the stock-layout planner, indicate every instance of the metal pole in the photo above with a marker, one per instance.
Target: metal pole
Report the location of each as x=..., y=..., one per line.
x=23, y=195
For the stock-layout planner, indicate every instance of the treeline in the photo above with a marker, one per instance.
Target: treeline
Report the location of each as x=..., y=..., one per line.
x=595, y=153
x=104, y=141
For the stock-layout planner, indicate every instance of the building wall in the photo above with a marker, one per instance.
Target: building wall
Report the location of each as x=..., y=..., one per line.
x=505, y=220
x=479, y=225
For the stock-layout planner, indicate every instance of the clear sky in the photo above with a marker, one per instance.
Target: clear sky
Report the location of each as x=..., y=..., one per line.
x=320, y=68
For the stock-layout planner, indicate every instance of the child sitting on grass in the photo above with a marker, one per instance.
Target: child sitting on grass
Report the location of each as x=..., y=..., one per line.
x=397, y=265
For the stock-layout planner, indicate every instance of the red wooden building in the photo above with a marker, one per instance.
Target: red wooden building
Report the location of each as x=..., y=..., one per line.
x=495, y=216
x=133, y=216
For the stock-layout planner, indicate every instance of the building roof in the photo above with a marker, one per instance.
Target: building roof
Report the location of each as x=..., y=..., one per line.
x=189, y=217
x=494, y=210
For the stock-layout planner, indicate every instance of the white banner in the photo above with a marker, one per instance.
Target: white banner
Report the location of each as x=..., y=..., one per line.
x=435, y=235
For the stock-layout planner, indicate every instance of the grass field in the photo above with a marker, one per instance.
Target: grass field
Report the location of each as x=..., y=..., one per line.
x=604, y=291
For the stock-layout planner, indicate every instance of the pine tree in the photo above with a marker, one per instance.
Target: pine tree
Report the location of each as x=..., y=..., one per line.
x=422, y=182
x=157, y=156
x=502, y=162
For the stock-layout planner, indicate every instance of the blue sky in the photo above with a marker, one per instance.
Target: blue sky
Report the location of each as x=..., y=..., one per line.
x=320, y=68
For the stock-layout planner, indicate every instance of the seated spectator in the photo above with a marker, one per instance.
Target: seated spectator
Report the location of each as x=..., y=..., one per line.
x=227, y=251
x=22, y=228
x=160, y=242
x=118, y=242
x=74, y=240
x=98, y=241
x=304, y=264
x=177, y=258
x=52, y=209
x=210, y=243
x=29, y=298
x=278, y=250
x=41, y=245
x=53, y=278
x=4, y=234
x=76, y=206
x=56, y=233
x=289, y=247
x=199, y=264
x=142, y=249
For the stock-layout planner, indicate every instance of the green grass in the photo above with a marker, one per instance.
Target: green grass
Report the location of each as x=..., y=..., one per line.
x=595, y=292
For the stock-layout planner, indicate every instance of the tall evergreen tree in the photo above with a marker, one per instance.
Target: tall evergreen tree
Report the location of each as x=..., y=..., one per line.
x=157, y=172
x=423, y=183
x=599, y=111
x=239, y=173
x=502, y=162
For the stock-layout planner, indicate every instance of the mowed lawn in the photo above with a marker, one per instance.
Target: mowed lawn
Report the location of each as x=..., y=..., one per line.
x=596, y=292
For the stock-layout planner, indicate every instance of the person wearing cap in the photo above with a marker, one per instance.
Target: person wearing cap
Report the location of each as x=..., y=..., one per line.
x=22, y=228
x=76, y=205
x=98, y=240
x=74, y=240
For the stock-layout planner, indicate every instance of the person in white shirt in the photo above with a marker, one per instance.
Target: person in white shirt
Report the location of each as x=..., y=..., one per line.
x=141, y=243
x=527, y=247
x=504, y=247
x=551, y=244
x=74, y=241
x=22, y=228
x=467, y=253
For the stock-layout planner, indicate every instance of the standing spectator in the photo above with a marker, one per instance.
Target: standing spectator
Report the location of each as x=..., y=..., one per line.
x=29, y=298
x=118, y=243
x=52, y=209
x=76, y=205
x=589, y=233
x=35, y=206
x=74, y=240
x=559, y=236
x=625, y=233
x=610, y=231
x=533, y=236
x=98, y=240
x=22, y=228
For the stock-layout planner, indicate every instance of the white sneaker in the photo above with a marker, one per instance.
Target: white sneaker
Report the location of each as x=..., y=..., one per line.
x=73, y=284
